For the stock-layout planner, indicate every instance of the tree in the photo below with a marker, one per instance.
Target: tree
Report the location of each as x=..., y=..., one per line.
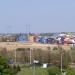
x=22, y=55
x=66, y=59
x=5, y=69
x=4, y=52
x=37, y=55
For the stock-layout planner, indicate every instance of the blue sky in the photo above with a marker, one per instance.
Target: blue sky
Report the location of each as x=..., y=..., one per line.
x=41, y=15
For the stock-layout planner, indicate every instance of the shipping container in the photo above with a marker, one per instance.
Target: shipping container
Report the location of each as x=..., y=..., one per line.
x=22, y=38
x=41, y=40
x=50, y=40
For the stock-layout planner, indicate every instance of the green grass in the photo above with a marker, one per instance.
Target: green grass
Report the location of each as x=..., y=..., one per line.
x=29, y=71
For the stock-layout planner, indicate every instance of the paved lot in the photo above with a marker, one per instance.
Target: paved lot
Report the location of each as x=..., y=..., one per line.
x=14, y=45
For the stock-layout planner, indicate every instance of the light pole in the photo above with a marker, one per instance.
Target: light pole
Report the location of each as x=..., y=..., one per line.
x=15, y=56
x=61, y=58
x=61, y=62
x=34, y=69
x=15, y=53
x=30, y=56
x=35, y=62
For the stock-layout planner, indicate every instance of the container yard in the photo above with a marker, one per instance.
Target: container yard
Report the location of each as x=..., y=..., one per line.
x=46, y=39
x=13, y=41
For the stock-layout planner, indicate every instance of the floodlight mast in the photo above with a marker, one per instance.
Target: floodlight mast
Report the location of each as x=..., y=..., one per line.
x=28, y=33
x=28, y=30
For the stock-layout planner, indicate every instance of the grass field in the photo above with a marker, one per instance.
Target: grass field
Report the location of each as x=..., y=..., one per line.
x=30, y=71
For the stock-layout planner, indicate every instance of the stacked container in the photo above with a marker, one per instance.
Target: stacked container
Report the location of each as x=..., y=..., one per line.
x=22, y=38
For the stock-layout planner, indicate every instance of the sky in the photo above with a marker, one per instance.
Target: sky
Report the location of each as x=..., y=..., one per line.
x=37, y=16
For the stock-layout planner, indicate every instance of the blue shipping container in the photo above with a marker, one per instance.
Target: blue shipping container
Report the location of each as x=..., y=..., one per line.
x=22, y=38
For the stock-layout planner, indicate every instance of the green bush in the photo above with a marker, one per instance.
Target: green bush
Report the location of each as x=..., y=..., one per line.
x=72, y=48
x=55, y=48
x=53, y=70
x=18, y=68
x=20, y=49
x=15, y=69
x=70, y=71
